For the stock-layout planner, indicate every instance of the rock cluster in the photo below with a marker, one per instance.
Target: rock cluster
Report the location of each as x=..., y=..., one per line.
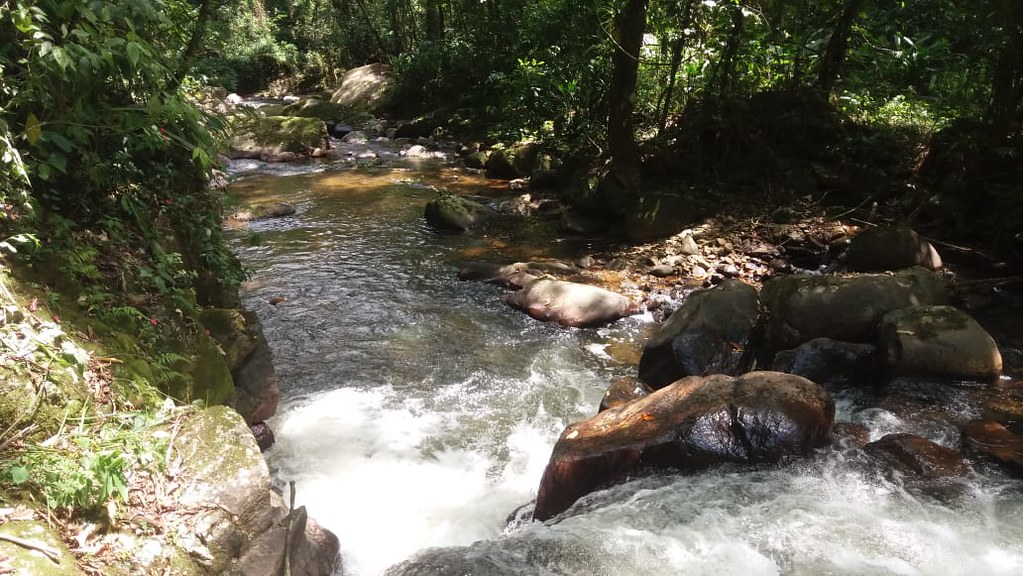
x=699, y=399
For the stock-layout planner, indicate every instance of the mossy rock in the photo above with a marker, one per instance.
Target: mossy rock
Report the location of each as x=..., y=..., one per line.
x=516, y=161
x=366, y=87
x=330, y=112
x=231, y=331
x=25, y=561
x=204, y=372
x=226, y=482
x=454, y=213
x=273, y=135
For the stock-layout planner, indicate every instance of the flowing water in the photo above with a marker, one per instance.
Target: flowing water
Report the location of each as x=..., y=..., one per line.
x=419, y=411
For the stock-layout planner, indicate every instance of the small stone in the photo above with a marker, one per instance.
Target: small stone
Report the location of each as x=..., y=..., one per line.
x=688, y=246
x=617, y=265
x=662, y=271
x=586, y=262
x=730, y=271
x=699, y=272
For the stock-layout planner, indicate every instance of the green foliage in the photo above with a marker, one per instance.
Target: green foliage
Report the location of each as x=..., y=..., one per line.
x=89, y=469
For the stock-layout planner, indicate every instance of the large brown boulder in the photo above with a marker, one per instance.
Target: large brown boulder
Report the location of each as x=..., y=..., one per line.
x=692, y=424
x=939, y=341
x=570, y=303
x=709, y=334
x=879, y=249
x=365, y=86
x=848, y=308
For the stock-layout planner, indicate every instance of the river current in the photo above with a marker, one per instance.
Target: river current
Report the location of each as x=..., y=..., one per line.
x=418, y=412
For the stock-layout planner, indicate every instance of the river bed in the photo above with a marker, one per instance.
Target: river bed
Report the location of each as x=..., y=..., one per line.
x=419, y=411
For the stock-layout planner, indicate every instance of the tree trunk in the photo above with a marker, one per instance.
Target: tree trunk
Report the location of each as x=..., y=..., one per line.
x=727, y=68
x=630, y=24
x=1006, y=112
x=434, y=20
x=838, y=44
x=194, y=44
x=376, y=35
x=676, y=62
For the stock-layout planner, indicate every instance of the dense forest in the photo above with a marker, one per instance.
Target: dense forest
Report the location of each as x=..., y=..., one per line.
x=907, y=112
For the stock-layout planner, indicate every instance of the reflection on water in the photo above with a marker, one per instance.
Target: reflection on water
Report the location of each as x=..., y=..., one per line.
x=418, y=411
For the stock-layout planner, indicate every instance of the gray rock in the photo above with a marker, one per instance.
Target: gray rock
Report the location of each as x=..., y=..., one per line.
x=622, y=391
x=938, y=341
x=709, y=334
x=225, y=494
x=570, y=303
x=847, y=308
x=694, y=423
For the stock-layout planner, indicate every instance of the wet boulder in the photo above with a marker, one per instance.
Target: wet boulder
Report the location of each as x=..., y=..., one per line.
x=995, y=442
x=264, y=211
x=828, y=361
x=710, y=333
x=512, y=276
x=916, y=456
x=622, y=391
x=847, y=308
x=882, y=248
x=257, y=391
x=454, y=213
x=570, y=303
x=694, y=423
x=938, y=341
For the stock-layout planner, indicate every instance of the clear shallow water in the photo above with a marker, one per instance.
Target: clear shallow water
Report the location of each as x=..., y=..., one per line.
x=419, y=411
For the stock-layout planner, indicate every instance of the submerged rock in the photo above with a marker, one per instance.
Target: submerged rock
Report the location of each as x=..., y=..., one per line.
x=570, y=303
x=264, y=211
x=513, y=276
x=879, y=249
x=710, y=333
x=692, y=424
x=938, y=341
x=847, y=308
x=994, y=441
x=828, y=361
x=454, y=213
x=917, y=456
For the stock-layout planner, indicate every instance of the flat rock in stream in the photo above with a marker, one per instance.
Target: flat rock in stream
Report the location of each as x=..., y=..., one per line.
x=694, y=423
x=570, y=303
x=514, y=276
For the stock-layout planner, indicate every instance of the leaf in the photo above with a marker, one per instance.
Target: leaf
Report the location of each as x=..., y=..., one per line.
x=32, y=129
x=58, y=161
x=61, y=142
x=134, y=51
x=61, y=57
x=19, y=475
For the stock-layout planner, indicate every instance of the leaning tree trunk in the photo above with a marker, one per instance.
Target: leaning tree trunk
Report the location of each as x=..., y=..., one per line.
x=838, y=45
x=630, y=24
x=194, y=44
x=676, y=62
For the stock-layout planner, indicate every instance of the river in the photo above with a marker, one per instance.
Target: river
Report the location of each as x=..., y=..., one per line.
x=419, y=411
